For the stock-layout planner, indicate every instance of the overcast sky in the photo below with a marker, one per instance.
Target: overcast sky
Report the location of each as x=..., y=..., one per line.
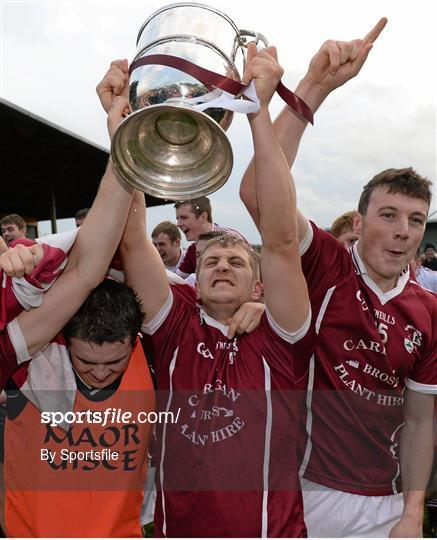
x=54, y=53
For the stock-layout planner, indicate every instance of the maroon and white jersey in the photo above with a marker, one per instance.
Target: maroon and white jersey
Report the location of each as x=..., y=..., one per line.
x=370, y=345
x=8, y=359
x=27, y=292
x=188, y=264
x=228, y=467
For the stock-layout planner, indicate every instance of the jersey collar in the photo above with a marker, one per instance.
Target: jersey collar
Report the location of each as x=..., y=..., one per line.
x=205, y=318
x=361, y=270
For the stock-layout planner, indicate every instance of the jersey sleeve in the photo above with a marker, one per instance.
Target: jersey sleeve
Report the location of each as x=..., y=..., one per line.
x=290, y=351
x=325, y=262
x=167, y=327
x=188, y=265
x=423, y=377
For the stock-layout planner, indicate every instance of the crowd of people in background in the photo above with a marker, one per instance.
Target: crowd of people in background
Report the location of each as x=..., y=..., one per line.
x=194, y=219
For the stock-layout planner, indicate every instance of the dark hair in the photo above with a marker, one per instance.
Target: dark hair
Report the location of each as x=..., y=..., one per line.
x=429, y=245
x=168, y=228
x=198, y=206
x=14, y=219
x=405, y=181
x=110, y=313
x=81, y=214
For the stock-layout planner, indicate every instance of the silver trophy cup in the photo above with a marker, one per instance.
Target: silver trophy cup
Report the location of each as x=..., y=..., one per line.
x=166, y=147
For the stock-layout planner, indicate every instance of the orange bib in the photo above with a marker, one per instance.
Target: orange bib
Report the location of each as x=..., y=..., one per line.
x=87, y=481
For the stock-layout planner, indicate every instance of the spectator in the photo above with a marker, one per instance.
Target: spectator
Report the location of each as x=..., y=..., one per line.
x=13, y=227
x=200, y=246
x=166, y=237
x=204, y=239
x=424, y=276
x=80, y=216
x=345, y=228
x=430, y=256
x=194, y=217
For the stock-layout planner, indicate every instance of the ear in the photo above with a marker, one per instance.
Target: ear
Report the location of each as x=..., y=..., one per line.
x=257, y=291
x=204, y=217
x=357, y=223
x=197, y=291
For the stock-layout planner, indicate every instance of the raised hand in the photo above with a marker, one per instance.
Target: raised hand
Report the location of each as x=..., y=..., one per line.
x=115, y=83
x=264, y=69
x=337, y=62
x=21, y=260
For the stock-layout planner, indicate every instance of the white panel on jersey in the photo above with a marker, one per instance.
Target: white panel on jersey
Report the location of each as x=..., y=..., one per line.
x=267, y=439
x=420, y=387
x=309, y=421
x=18, y=341
x=151, y=327
x=324, y=307
x=307, y=239
x=290, y=337
x=164, y=432
x=64, y=240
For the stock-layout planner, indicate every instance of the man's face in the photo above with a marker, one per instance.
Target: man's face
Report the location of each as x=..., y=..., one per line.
x=200, y=247
x=429, y=253
x=226, y=277
x=168, y=250
x=11, y=232
x=188, y=223
x=392, y=230
x=100, y=365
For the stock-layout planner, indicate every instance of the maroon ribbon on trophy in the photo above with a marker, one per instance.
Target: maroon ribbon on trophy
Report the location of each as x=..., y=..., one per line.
x=214, y=80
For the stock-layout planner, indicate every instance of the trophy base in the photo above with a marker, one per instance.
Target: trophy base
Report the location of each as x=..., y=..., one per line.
x=172, y=152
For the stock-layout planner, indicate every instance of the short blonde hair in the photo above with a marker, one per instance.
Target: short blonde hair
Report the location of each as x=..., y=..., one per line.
x=227, y=240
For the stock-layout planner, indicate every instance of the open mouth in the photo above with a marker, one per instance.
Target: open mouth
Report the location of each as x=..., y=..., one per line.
x=222, y=282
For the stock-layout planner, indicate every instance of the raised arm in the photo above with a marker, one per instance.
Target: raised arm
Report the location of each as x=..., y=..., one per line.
x=286, y=297
x=3, y=246
x=142, y=265
x=332, y=66
x=416, y=449
x=89, y=259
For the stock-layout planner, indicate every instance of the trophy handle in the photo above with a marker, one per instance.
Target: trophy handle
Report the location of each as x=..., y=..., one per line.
x=241, y=41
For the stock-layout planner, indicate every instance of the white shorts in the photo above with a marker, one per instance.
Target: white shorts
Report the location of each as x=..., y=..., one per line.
x=337, y=514
x=148, y=506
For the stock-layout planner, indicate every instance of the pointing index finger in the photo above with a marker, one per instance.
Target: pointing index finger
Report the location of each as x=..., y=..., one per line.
x=373, y=35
